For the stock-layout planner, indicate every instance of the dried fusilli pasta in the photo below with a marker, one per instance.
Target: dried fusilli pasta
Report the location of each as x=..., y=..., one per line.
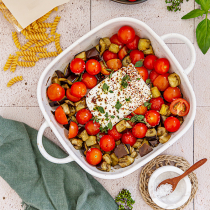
x=44, y=17
x=39, y=30
x=54, y=26
x=16, y=40
x=9, y=62
x=38, y=49
x=14, y=80
x=44, y=25
x=28, y=44
x=48, y=54
x=57, y=43
x=30, y=58
x=34, y=25
x=37, y=36
x=45, y=42
x=25, y=64
x=24, y=32
x=26, y=53
x=2, y=6
x=14, y=64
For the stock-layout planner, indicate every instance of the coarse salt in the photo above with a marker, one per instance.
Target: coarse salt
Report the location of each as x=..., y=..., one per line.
x=164, y=190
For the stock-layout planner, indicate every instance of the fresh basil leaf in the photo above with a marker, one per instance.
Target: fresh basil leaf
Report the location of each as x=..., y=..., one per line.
x=111, y=91
x=193, y=14
x=101, y=109
x=118, y=105
x=148, y=105
x=124, y=82
x=148, y=81
x=105, y=88
x=203, y=35
x=138, y=78
x=128, y=99
x=112, y=116
x=139, y=63
x=205, y=5
x=137, y=118
x=106, y=115
x=110, y=126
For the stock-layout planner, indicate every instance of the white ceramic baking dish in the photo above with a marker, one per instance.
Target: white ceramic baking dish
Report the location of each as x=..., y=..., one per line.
x=86, y=42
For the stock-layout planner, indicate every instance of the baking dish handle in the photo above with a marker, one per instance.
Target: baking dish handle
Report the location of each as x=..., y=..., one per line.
x=188, y=43
x=43, y=151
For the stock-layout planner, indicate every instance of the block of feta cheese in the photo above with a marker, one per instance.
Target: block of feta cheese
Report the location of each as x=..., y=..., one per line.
x=116, y=97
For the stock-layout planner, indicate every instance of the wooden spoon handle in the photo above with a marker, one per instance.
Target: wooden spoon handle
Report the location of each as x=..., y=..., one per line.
x=193, y=168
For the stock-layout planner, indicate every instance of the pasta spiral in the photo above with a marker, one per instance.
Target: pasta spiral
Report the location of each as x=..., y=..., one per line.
x=14, y=64
x=44, y=17
x=16, y=40
x=54, y=26
x=48, y=54
x=34, y=25
x=27, y=45
x=44, y=25
x=38, y=49
x=37, y=36
x=30, y=58
x=25, y=64
x=45, y=42
x=8, y=63
x=57, y=43
x=14, y=80
x=26, y=53
x=39, y=30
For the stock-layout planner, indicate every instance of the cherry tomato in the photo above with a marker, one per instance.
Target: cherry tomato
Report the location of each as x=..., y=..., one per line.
x=131, y=0
x=162, y=65
x=141, y=110
x=180, y=107
x=139, y=130
x=152, y=117
x=78, y=89
x=149, y=61
x=77, y=65
x=153, y=75
x=172, y=124
x=126, y=34
x=94, y=156
x=93, y=67
x=128, y=138
x=60, y=116
x=134, y=44
x=114, y=39
x=103, y=69
x=89, y=80
x=108, y=55
x=123, y=52
x=156, y=103
x=115, y=134
x=161, y=82
x=136, y=55
x=107, y=143
x=92, y=128
x=83, y=116
x=114, y=64
x=73, y=130
x=172, y=93
x=55, y=92
x=71, y=97
x=143, y=72
x=131, y=123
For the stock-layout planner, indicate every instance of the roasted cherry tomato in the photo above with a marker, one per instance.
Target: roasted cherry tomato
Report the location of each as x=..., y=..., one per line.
x=153, y=75
x=92, y=128
x=128, y=138
x=141, y=110
x=114, y=64
x=129, y=121
x=60, y=116
x=93, y=67
x=107, y=143
x=89, y=80
x=77, y=65
x=78, y=89
x=156, y=103
x=94, y=156
x=180, y=107
x=143, y=72
x=139, y=130
x=55, y=92
x=172, y=124
x=149, y=61
x=161, y=65
x=172, y=93
x=108, y=55
x=161, y=82
x=131, y=0
x=136, y=56
x=115, y=134
x=114, y=39
x=73, y=130
x=71, y=97
x=104, y=69
x=123, y=52
x=126, y=34
x=152, y=117
x=83, y=116
x=134, y=44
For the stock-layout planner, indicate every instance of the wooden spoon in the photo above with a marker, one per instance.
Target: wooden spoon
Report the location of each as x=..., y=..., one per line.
x=174, y=181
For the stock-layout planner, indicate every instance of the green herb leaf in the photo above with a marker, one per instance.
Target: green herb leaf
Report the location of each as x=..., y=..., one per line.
x=111, y=91
x=105, y=88
x=124, y=82
x=148, y=105
x=127, y=119
x=118, y=105
x=138, y=78
x=139, y=63
x=111, y=74
x=110, y=126
x=137, y=118
x=203, y=35
x=106, y=115
x=80, y=78
x=112, y=116
x=101, y=109
x=109, y=69
x=129, y=51
x=193, y=14
x=205, y=4
x=148, y=81
x=128, y=99
x=103, y=130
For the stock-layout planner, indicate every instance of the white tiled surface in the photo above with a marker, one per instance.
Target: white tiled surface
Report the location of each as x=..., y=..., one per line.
x=78, y=17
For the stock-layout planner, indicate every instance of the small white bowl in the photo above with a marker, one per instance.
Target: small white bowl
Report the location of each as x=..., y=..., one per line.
x=177, y=198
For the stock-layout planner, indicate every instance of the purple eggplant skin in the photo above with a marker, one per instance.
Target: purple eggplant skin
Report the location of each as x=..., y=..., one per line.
x=59, y=74
x=93, y=54
x=58, y=103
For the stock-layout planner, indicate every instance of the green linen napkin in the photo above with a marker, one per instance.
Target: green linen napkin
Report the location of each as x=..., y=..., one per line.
x=41, y=184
